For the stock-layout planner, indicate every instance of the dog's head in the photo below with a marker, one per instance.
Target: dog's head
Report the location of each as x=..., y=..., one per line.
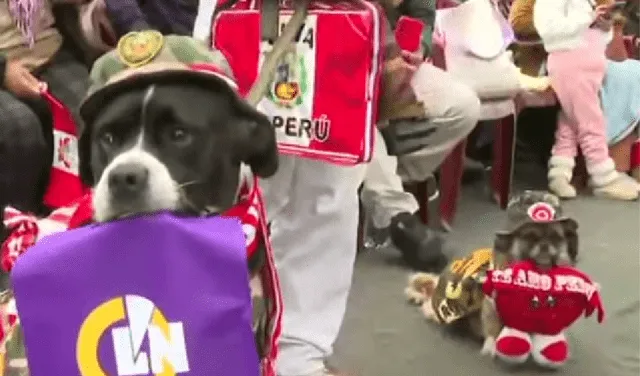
x=164, y=129
x=548, y=244
x=537, y=230
x=172, y=145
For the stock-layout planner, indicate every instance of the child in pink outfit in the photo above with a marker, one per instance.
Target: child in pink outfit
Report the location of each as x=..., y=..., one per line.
x=575, y=34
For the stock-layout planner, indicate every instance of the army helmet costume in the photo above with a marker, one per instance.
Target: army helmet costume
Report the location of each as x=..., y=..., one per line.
x=145, y=57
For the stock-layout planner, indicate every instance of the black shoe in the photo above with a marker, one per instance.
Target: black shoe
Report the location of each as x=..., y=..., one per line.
x=421, y=247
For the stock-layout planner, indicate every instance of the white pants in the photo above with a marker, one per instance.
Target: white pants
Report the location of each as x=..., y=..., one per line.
x=383, y=194
x=313, y=209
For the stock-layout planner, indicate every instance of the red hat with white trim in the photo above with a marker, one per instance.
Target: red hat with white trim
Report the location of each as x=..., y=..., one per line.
x=145, y=57
x=534, y=207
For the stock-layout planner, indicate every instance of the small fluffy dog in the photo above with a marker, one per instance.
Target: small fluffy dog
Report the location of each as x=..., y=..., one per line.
x=536, y=229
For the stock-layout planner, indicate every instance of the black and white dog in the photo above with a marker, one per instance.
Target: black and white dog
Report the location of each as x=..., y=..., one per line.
x=179, y=147
x=173, y=146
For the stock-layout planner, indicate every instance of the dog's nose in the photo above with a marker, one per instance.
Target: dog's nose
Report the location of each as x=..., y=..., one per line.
x=128, y=178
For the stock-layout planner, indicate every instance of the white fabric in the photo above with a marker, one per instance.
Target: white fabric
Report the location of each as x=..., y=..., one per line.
x=204, y=18
x=602, y=173
x=475, y=52
x=560, y=166
x=497, y=109
x=562, y=24
x=472, y=25
x=453, y=108
x=382, y=193
x=313, y=209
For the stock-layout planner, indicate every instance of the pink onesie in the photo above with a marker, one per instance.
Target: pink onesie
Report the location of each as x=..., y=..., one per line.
x=576, y=77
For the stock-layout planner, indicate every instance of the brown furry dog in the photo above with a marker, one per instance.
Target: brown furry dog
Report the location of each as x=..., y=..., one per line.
x=536, y=230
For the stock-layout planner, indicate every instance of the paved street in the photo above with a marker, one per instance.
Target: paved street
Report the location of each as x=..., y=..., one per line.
x=383, y=336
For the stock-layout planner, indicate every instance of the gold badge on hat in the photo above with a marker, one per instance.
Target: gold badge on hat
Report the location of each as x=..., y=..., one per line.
x=138, y=48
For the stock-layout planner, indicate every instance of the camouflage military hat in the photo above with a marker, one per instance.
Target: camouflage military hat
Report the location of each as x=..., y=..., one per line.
x=145, y=57
x=533, y=207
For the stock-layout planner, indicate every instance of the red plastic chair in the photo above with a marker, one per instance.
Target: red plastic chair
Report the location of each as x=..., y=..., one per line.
x=453, y=166
x=631, y=45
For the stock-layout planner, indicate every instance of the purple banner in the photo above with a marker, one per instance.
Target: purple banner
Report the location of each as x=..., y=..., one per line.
x=154, y=295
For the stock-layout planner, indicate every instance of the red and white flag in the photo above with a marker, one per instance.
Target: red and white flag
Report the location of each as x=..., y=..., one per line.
x=65, y=185
x=323, y=99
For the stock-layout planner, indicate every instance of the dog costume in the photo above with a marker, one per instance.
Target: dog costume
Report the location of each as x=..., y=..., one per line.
x=154, y=57
x=457, y=293
x=536, y=306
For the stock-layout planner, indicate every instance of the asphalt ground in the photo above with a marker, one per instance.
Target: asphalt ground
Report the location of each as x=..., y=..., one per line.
x=384, y=336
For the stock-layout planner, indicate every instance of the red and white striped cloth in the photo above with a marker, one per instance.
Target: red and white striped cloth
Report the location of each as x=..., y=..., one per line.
x=8, y=319
x=65, y=185
x=27, y=229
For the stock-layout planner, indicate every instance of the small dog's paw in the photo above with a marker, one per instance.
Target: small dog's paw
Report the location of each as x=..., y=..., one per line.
x=489, y=347
x=428, y=311
x=413, y=296
x=421, y=287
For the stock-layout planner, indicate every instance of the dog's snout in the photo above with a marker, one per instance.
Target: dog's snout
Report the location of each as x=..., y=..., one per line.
x=128, y=178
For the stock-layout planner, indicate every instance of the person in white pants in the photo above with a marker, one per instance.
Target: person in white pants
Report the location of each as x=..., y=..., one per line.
x=313, y=210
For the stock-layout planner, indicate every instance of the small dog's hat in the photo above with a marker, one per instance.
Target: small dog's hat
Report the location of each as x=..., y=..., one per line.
x=534, y=207
x=144, y=57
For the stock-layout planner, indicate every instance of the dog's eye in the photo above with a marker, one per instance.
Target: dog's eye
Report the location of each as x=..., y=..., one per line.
x=178, y=135
x=107, y=138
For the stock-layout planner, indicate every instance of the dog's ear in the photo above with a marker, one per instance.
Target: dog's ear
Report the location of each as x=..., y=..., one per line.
x=502, y=245
x=570, y=227
x=257, y=140
x=84, y=155
x=503, y=242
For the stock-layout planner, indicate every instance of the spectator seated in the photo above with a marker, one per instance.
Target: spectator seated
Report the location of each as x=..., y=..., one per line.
x=32, y=56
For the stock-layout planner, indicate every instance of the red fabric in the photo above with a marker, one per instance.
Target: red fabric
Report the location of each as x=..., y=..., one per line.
x=635, y=155
x=83, y=213
x=535, y=301
x=512, y=346
x=409, y=33
x=557, y=352
x=23, y=233
x=25, y=228
x=315, y=112
x=65, y=185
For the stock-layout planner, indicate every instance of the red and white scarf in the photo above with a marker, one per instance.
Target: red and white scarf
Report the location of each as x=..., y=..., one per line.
x=27, y=229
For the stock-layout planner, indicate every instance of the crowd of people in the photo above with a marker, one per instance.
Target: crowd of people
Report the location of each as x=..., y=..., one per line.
x=34, y=56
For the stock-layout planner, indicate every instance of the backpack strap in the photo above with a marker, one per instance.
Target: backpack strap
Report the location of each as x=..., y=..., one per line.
x=270, y=12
